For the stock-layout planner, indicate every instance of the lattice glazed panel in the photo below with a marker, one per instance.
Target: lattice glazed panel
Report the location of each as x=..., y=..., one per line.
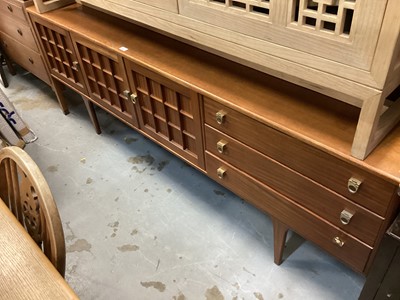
x=251, y=8
x=333, y=17
x=105, y=79
x=167, y=112
x=59, y=52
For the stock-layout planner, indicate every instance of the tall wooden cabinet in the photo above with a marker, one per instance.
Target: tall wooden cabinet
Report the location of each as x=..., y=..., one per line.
x=279, y=146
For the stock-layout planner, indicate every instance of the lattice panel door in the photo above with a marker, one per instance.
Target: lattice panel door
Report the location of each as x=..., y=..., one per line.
x=106, y=81
x=250, y=8
x=60, y=55
x=168, y=112
x=324, y=16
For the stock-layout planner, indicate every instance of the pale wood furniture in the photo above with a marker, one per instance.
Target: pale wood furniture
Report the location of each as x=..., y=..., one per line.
x=346, y=49
x=281, y=147
x=17, y=39
x=25, y=192
x=26, y=273
x=47, y=5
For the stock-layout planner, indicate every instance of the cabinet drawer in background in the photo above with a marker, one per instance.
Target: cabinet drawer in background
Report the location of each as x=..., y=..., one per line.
x=329, y=205
x=374, y=193
x=25, y=57
x=19, y=31
x=353, y=252
x=13, y=9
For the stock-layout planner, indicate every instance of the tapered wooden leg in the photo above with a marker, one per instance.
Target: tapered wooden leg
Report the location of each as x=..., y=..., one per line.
x=280, y=232
x=58, y=90
x=3, y=76
x=92, y=114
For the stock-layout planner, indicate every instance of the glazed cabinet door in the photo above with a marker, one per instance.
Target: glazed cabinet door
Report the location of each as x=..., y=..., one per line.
x=59, y=53
x=105, y=78
x=141, y=5
x=168, y=112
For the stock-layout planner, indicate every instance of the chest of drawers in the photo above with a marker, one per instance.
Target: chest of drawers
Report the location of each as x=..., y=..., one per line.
x=17, y=38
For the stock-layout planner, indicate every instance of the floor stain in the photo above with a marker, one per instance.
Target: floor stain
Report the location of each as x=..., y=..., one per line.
x=89, y=180
x=71, y=236
x=136, y=169
x=72, y=271
x=169, y=190
x=154, y=284
x=146, y=190
x=130, y=140
x=25, y=103
x=79, y=246
x=179, y=297
x=116, y=199
x=83, y=160
x=114, y=235
x=236, y=285
x=140, y=159
x=214, y=294
x=244, y=269
x=134, y=232
x=258, y=296
x=128, y=248
x=162, y=165
x=219, y=193
x=52, y=169
x=113, y=225
x=280, y=296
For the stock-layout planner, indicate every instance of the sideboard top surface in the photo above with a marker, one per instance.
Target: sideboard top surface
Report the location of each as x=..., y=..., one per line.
x=316, y=119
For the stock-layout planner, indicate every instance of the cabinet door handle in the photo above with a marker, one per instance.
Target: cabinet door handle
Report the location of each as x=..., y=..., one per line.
x=76, y=65
x=345, y=217
x=9, y=7
x=353, y=185
x=221, y=172
x=19, y=31
x=221, y=146
x=220, y=116
x=338, y=241
x=131, y=96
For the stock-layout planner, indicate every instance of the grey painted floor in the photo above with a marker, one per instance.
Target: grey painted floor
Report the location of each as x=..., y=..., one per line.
x=141, y=224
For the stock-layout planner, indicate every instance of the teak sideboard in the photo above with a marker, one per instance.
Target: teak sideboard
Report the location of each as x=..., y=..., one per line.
x=279, y=146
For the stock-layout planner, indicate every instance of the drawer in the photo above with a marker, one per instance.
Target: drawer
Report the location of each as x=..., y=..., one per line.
x=13, y=9
x=25, y=57
x=374, y=193
x=19, y=31
x=327, y=204
x=353, y=252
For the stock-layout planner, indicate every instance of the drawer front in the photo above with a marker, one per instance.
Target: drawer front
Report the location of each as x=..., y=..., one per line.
x=374, y=193
x=13, y=9
x=25, y=57
x=19, y=31
x=353, y=252
x=325, y=203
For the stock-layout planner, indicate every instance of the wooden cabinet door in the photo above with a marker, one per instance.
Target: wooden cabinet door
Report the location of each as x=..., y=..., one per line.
x=105, y=78
x=168, y=112
x=59, y=53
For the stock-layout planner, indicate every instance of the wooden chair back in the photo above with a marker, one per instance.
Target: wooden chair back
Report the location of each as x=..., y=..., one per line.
x=25, y=191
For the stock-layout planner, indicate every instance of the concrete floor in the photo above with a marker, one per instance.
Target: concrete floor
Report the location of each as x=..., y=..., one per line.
x=141, y=224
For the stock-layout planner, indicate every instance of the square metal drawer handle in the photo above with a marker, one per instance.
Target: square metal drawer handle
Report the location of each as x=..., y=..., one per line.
x=221, y=146
x=338, y=241
x=353, y=185
x=345, y=217
x=220, y=116
x=221, y=172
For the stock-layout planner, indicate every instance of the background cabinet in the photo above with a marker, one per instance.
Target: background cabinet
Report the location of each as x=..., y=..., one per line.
x=18, y=40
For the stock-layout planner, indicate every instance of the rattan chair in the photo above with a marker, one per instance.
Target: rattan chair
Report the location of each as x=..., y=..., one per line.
x=27, y=194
